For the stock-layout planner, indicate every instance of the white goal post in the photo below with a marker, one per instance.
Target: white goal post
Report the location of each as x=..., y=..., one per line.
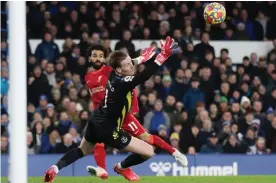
x=17, y=96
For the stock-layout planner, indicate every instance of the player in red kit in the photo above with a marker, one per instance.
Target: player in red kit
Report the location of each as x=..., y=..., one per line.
x=96, y=81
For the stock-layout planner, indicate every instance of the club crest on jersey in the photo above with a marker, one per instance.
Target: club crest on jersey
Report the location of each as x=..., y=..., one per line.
x=124, y=139
x=99, y=79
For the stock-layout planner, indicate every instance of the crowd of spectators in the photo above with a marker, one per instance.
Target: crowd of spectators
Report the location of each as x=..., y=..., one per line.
x=198, y=103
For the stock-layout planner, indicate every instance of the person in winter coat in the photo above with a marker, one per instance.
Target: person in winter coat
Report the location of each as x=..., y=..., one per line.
x=178, y=88
x=4, y=81
x=50, y=74
x=259, y=148
x=212, y=146
x=202, y=47
x=37, y=85
x=190, y=138
x=270, y=100
x=66, y=145
x=167, y=83
x=30, y=144
x=193, y=95
x=249, y=139
x=245, y=122
x=64, y=124
x=40, y=139
x=42, y=108
x=126, y=43
x=232, y=146
x=154, y=119
x=271, y=136
x=174, y=139
x=245, y=104
x=47, y=49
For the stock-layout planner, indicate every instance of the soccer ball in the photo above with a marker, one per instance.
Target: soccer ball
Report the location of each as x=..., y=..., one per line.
x=214, y=13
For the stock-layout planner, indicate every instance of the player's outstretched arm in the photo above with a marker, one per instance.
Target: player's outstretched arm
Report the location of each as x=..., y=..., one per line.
x=168, y=48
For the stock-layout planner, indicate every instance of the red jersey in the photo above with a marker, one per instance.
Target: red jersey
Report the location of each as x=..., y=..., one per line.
x=96, y=82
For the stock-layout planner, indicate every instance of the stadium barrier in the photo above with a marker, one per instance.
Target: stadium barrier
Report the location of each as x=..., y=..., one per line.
x=237, y=49
x=161, y=165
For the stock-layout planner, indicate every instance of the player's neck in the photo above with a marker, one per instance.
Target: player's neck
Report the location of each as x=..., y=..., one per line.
x=117, y=73
x=95, y=70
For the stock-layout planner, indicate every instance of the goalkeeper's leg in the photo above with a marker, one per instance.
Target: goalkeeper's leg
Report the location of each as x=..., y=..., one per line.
x=70, y=157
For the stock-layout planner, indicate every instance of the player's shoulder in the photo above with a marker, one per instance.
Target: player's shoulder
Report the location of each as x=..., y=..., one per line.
x=107, y=68
x=99, y=72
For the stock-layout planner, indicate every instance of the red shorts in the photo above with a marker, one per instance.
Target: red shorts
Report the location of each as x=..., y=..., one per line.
x=132, y=126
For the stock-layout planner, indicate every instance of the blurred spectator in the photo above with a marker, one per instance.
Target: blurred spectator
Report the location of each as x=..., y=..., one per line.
x=271, y=56
x=163, y=134
x=40, y=139
x=212, y=146
x=126, y=43
x=249, y=139
x=50, y=74
x=64, y=124
x=47, y=49
x=4, y=124
x=155, y=118
x=259, y=148
x=204, y=46
x=66, y=145
x=75, y=136
x=37, y=85
x=193, y=95
x=190, y=138
x=48, y=125
x=207, y=85
x=191, y=150
x=270, y=99
x=178, y=87
x=55, y=139
x=4, y=145
x=232, y=146
x=169, y=106
x=4, y=81
x=30, y=144
x=271, y=136
x=4, y=50
x=174, y=139
x=43, y=104
x=166, y=82
x=83, y=116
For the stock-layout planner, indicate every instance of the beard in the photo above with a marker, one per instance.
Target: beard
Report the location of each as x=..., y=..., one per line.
x=96, y=65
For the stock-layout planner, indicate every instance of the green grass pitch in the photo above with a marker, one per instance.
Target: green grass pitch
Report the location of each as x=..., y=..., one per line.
x=222, y=179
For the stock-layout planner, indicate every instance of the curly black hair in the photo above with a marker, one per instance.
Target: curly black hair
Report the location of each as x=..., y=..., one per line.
x=95, y=47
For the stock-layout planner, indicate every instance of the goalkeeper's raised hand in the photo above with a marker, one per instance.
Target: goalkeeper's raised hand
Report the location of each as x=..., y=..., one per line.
x=167, y=49
x=145, y=55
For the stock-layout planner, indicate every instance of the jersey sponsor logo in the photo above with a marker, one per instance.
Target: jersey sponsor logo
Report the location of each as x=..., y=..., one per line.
x=128, y=78
x=96, y=90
